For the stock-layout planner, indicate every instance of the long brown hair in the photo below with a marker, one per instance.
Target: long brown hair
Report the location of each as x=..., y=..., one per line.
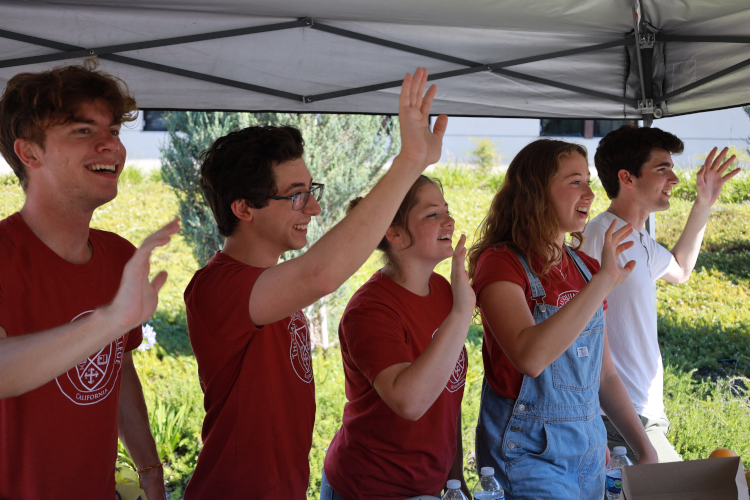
x=401, y=218
x=521, y=215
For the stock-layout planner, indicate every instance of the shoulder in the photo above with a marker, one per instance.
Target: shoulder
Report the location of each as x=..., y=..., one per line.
x=590, y=262
x=598, y=225
x=8, y=233
x=223, y=274
x=112, y=242
x=499, y=256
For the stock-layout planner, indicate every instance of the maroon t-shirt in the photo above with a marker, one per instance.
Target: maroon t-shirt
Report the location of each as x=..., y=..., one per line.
x=61, y=438
x=376, y=454
x=258, y=388
x=502, y=264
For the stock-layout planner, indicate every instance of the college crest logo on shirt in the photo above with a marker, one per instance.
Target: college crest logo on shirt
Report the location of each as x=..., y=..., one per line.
x=458, y=377
x=94, y=378
x=566, y=297
x=299, y=351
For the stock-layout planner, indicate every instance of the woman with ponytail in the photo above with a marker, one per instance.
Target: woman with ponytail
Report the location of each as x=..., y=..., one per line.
x=546, y=356
x=402, y=340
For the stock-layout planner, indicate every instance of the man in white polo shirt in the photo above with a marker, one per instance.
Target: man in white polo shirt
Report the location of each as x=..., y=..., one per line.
x=635, y=167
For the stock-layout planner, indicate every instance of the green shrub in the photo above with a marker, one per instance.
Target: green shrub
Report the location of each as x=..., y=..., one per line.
x=484, y=153
x=132, y=174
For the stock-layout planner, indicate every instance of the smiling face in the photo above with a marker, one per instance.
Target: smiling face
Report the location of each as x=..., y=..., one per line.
x=80, y=161
x=431, y=226
x=282, y=228
x=652, y=190
x=570, y=193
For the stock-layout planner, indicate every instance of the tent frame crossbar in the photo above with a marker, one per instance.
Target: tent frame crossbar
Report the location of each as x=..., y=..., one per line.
x=110, y=53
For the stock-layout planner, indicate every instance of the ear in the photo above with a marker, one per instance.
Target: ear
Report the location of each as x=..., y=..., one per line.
x=27, y=152
x=242, y=210
x=626, y=178
x=395, y=234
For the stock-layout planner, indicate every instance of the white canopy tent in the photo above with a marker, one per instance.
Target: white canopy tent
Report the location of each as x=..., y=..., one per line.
x=505, y=58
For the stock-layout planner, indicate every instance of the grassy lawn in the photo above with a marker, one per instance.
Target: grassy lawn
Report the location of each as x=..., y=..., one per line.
x=703, y=328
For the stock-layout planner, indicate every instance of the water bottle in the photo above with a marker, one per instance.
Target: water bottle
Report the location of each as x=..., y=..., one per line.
x=614, y=472
x=454, y=491
x=487, y=488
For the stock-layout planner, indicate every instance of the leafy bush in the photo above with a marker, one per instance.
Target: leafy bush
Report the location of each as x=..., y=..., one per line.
x=484, y=153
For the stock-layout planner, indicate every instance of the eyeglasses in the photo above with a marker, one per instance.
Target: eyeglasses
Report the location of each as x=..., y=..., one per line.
x=299, y=200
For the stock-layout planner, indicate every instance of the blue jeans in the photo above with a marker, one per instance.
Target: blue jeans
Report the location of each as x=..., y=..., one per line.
x=326, y=491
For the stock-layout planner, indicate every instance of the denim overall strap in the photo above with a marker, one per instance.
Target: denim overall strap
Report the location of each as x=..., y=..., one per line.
x=537, y=290
x=582, y=269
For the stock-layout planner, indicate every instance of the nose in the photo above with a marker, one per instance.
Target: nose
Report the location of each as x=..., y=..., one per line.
x=673, y=179
x=312, y=207
x=108, y=143
x=588, y=194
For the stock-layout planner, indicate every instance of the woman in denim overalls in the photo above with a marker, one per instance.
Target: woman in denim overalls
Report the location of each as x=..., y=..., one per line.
x=549, y=360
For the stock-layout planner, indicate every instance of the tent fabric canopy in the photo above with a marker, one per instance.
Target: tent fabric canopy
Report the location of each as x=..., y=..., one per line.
x=509, y=58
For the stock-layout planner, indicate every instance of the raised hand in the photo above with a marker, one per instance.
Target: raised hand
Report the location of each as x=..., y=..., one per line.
x=464, y=298
x=137, y=298
x=418, y=143
x=611, y=251
x=710, y=178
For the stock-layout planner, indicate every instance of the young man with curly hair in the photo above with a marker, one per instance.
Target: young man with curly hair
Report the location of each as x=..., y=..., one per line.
x=247, y=329
x=636, y=169
x=72, y=298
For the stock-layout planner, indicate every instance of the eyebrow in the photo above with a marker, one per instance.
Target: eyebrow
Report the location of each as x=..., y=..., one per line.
x=295, y=185
x=76, y=119
x=573, y=175
x=664, y=164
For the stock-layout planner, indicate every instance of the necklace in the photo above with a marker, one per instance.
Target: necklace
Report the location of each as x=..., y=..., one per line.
x=559, y=268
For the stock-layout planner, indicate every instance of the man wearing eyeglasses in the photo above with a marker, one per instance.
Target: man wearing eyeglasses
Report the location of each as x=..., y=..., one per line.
x=247, y=330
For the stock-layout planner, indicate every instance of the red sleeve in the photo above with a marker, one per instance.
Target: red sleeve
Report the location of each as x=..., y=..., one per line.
x=221, y=301
x=500, y=264
x=135, y=338
x=593, y=266
x=375, y=338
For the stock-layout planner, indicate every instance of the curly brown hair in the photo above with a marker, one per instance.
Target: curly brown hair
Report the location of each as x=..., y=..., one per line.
x=33, y=102
x=521, y=215
x=239, y=166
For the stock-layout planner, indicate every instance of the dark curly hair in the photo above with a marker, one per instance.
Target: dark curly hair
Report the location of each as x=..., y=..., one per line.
x=629, y=148
x=240, y=166
x=33, y=102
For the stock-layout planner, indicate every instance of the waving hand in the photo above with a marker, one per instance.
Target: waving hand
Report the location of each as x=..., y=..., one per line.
x=418, y=143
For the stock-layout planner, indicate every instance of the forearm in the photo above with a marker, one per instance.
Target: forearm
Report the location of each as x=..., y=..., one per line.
x=30, y=361
x=134, y=431
x=615, y=401
x=540, y=345
x=134, y=428
x=688, y=246
x=417, y=387
x=457, y=467
x=343, y=250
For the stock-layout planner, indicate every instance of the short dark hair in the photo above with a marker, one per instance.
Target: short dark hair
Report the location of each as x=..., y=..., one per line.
x=629, y=148
x=240, y=165
x=33, y=102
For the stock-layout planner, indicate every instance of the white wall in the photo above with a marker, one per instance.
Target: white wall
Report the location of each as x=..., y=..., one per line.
x=700, y=132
